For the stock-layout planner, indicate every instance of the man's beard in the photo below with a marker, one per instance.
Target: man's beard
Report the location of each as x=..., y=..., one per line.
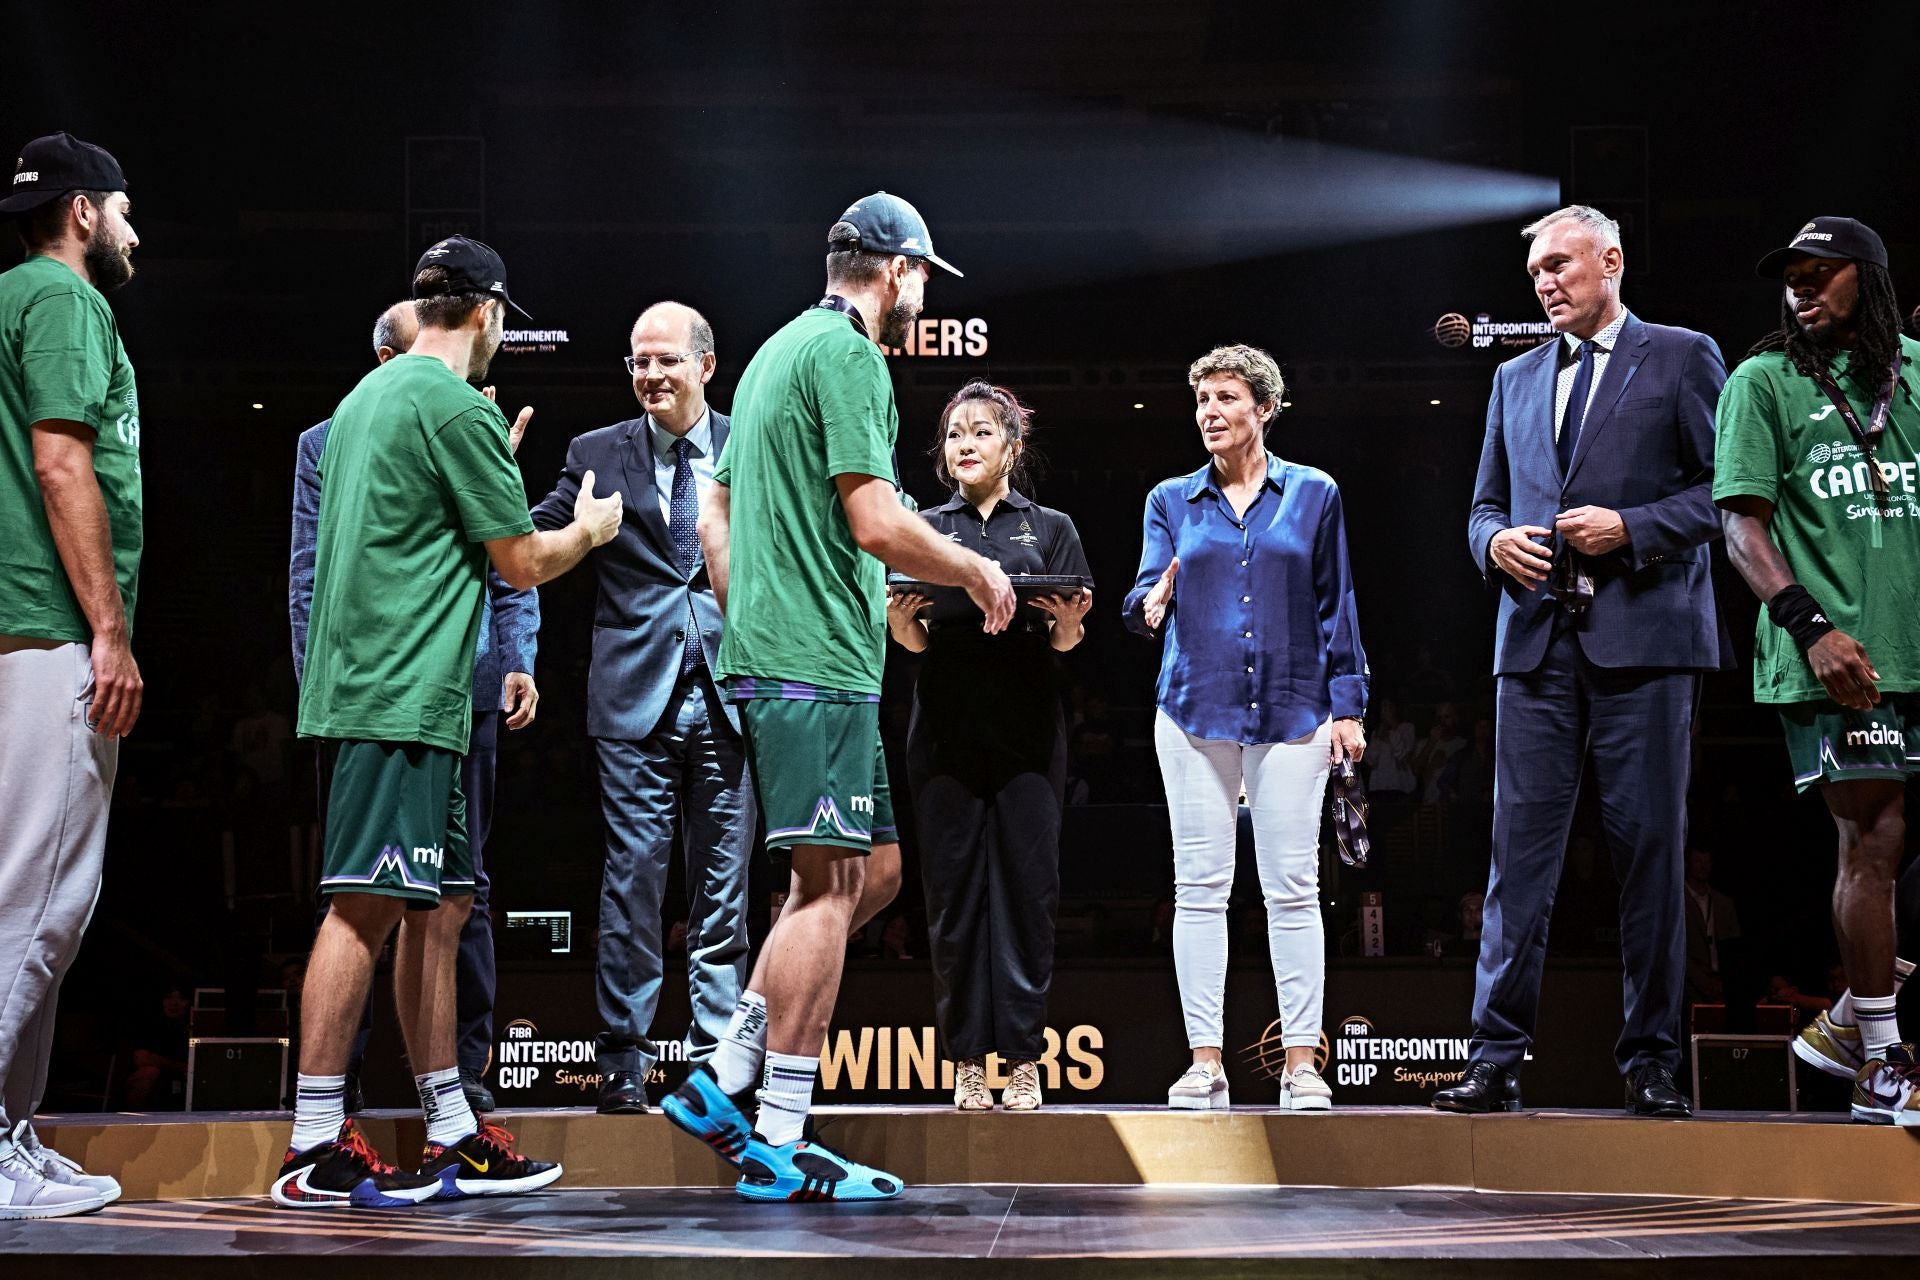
x=894, y=324
x=108, y=265
x=484, y=345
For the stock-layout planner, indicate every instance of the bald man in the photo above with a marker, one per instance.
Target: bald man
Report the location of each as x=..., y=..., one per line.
x=673, y=766
x=503, y=688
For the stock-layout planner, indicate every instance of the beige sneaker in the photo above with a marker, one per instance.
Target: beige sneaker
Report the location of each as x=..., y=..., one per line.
x=1202, y=1088
x=970, y=1086
x=1023, y=1088
x=1304, y=1090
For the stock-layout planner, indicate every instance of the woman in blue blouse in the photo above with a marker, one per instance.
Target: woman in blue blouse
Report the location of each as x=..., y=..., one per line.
x=1262, y=687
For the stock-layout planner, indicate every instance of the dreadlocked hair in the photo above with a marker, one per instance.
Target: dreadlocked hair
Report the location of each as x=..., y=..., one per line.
x=1877, y=326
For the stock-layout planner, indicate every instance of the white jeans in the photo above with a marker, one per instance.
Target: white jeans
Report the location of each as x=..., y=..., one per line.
x=1285, y=783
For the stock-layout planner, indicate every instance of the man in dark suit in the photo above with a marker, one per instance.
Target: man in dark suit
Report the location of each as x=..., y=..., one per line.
x=1594, y=506
x=673, y=766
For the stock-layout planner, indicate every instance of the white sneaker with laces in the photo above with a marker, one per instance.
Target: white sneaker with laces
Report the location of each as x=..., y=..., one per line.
x=1304, y=1090
x=55, y=1167
x=1202, y=1088
x=26, y=1193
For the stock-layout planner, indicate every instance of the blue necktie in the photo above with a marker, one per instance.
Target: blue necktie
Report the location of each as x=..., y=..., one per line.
x=683, y=517
x=1576, y=407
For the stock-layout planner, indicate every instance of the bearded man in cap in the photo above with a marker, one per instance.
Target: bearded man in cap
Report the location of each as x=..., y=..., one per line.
x=1815, y=478
x=70, y=543
x=803, y=513
x=418, y=492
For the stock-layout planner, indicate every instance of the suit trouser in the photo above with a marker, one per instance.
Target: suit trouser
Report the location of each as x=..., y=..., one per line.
x=56, y=778
x=990, y=866
x=684, y=785
x=1636, y=722
x=475, y=977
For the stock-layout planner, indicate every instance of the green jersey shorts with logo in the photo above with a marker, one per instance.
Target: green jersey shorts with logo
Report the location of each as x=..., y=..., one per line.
x=819, y=771
x=1831, y=743
x=397, y=824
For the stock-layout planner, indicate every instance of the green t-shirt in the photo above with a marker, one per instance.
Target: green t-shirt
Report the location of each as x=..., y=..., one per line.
x=60, y=357
x=416, y=474
x=1780, y=438
x=803, y=601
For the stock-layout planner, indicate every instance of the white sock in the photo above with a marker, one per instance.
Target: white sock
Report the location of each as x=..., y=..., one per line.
x=444, y=1103
x=786, y=1095
x=1879, y=1030
x=737, y=1058
x=319, y=1109
x=1842, y=1012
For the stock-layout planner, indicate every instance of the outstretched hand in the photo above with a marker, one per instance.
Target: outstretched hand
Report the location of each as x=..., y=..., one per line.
x=599, y=516
x=1162, y=595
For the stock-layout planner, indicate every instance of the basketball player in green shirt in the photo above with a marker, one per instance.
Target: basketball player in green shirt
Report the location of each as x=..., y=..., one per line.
x=1815, y=471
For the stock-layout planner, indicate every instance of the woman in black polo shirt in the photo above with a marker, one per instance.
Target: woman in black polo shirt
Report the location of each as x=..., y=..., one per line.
x=987, y=753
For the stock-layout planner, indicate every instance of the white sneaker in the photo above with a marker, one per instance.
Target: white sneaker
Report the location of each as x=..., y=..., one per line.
x=26, y=1193
x=1304, y=1090
x=1202, y=1088
x=55, y=1167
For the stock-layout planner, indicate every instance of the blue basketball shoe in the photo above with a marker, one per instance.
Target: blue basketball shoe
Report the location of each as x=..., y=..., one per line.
x=803, y=1171
x=717, y=1118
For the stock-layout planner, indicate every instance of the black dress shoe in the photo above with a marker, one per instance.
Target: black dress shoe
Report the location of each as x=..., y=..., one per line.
x=1651, y=1092
x=623, y=1093
x=1486, y=1088
x=479, y=1097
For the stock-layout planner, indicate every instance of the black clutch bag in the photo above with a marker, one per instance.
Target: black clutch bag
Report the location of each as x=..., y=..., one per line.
x=1349, y=805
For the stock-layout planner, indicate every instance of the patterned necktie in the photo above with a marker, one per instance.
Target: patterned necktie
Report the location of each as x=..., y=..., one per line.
x=1576, y=407
x=683, y=516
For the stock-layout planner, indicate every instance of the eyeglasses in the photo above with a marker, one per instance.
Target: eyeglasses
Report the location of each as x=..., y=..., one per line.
x=668, y=363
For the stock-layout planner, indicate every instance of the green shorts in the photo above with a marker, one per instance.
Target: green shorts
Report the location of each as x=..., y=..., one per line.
x=397, y=824
x=819, y=772
x=1829, y=743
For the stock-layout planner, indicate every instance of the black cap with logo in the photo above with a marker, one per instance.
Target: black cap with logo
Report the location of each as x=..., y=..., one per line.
x=50, y=167
x=888, y=224
x=471, y=267
x=1827, y=238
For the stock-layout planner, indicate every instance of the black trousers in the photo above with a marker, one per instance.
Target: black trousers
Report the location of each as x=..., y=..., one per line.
x=989, y=827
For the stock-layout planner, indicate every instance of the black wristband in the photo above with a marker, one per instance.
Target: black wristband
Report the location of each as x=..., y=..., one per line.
x=1795, y=611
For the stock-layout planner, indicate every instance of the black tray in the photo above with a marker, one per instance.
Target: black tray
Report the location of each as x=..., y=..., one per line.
x=1025, y=587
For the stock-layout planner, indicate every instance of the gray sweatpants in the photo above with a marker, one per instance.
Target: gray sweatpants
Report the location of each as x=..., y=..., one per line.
x=56, y=776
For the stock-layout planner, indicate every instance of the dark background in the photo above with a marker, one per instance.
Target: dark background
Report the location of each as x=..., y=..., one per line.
x=1126, y=185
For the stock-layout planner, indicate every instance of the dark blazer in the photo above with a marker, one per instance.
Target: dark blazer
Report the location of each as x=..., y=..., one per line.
x=1646, y=451
x=640, y=618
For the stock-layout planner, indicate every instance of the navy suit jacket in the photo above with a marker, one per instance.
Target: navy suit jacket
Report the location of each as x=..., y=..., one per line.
x=640, y=617
x=1646, y=451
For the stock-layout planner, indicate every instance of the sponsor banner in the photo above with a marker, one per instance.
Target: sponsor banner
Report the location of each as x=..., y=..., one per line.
x=1395, y=1032
x=1485, y=333
x=521, y=342
x=944, y=338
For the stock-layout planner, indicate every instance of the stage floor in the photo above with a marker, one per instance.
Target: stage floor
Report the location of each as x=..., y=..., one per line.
x=1086, y=1230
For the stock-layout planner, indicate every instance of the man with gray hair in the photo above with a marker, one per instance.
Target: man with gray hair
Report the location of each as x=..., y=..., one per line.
x=673, y=765
x=1592, y=511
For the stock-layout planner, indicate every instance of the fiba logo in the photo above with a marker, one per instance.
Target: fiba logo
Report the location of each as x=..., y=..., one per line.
x=1268, y=1057
x=1820, y=454
x=1452, y=330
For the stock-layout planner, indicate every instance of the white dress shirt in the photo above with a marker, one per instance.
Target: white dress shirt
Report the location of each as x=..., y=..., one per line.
x=1563, y=386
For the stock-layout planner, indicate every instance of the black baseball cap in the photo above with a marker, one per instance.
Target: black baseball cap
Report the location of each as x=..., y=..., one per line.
x=888, y=224
x=471, y=267
x=49, y=167
x=1828, y=238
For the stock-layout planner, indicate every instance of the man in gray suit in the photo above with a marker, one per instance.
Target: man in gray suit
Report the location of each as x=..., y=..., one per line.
x=673, y=766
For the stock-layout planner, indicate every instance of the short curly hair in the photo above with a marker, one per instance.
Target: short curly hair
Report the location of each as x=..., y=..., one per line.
x=1249, y=364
